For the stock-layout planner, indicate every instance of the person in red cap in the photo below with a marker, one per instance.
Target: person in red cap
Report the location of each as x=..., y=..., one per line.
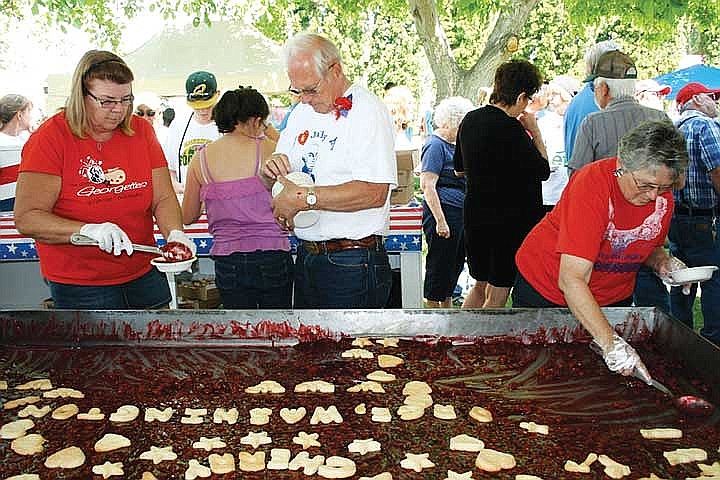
x=695, y=227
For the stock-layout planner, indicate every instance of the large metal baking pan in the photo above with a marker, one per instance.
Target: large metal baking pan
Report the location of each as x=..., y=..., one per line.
x=242, y=327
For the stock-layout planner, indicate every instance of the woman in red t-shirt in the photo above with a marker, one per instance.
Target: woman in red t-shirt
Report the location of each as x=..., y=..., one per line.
x=613, y=217
x=96, y=169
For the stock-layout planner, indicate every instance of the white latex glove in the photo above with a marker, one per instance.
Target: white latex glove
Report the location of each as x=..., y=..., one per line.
x=622, y=358
x=110, y=237
x=676, y=264
x=179, y=236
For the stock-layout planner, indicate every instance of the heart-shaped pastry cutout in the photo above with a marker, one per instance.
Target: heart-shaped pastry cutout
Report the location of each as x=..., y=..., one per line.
x=292, y=415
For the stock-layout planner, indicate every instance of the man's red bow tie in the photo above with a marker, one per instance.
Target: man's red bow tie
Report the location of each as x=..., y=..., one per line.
x=342, y=106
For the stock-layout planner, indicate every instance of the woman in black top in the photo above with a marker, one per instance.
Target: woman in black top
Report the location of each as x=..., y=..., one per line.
x=501, y=153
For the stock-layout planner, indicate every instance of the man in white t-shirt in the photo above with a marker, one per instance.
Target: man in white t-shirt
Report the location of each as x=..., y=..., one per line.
x=185, y=135
x=342, y=136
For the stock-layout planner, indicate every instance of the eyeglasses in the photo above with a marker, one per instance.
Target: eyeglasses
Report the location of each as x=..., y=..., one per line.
x=110, y=104
x=142, y=113
x=309, y=91
x=648, y=187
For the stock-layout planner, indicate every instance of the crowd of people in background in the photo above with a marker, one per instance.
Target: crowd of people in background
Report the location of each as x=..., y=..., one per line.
x=560, y=191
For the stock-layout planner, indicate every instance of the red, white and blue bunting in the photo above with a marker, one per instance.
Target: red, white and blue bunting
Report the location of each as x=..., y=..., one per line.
x=403, y=235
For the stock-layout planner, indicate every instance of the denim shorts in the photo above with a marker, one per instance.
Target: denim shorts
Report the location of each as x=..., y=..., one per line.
x=356, y=278
x=260, y=279
x=151, y=291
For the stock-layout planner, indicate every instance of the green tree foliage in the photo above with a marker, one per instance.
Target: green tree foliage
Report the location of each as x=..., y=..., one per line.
x=382, y=40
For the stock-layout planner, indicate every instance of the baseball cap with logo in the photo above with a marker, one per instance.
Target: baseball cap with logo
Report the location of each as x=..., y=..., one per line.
x=613, y=64
x=691, y=89
x=201, y=90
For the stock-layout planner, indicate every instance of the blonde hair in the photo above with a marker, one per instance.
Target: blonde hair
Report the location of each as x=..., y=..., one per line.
x=95, y=65
x=401, y=104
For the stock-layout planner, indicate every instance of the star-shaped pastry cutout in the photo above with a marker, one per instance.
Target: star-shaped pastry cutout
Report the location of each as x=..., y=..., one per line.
x=459, y=476
x=416, y=462
x=307, y=440
x=364, y=446
x=710, y=470
x=255, y=439
x=208, y=444
x=388, y=342
x=108, y=469
x=159, y=454
x=361, y=342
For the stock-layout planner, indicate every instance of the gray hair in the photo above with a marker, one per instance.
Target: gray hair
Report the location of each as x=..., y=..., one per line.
x=324, y=52
x=652, y=145
x=619, y=87
x=10, y=105
x=596, y=51
x=450, y=111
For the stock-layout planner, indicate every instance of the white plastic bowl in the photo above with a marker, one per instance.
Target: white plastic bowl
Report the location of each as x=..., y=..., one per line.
x=172, y=267
x=691, y=275
x=305, y=218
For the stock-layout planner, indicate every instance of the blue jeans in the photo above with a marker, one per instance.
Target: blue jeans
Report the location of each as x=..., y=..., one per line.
x=650, y=291
x=261, y=279
x=524, y=295
x=358, y=278
x=151, y=291
x=696, y=241
x=445, y=256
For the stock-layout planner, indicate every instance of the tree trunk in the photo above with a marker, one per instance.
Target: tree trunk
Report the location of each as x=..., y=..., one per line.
x=450, y=78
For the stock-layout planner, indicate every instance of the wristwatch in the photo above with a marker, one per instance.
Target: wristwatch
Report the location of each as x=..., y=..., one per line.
x=310, y=197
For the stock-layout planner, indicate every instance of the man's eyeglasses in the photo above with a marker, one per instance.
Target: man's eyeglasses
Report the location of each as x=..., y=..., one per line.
x=648, y=187
x=110, y=104
x=142, y=113
x=306, y=91
x=309, y=91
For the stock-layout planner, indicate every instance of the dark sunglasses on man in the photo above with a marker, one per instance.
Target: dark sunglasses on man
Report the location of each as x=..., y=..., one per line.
x=142, y=113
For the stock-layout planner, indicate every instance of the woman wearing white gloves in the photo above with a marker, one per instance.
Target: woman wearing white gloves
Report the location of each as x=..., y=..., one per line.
x=96, y=169
x=613, y=217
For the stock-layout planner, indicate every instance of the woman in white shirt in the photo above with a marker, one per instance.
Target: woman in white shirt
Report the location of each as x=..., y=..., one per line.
x=15, y=122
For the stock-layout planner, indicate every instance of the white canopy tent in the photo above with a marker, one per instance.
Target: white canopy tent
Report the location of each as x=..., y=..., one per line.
x=236, y=54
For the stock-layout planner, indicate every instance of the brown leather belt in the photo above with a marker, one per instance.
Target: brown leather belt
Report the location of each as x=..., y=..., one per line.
x=371, y=242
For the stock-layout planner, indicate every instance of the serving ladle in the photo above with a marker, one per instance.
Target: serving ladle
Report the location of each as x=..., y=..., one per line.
x=686, y=404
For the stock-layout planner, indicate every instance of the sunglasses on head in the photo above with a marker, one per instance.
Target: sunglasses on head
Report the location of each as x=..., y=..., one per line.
x=142, y=113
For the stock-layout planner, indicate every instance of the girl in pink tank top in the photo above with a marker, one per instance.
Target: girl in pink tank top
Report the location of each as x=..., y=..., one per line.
x=253, y=266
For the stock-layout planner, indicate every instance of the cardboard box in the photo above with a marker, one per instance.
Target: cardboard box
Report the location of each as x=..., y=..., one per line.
x=199, y=304
x=406, y=162
x=204, y=290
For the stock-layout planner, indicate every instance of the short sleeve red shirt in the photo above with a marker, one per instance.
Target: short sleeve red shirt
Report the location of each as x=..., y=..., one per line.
x=101, y=182
x=594, y=221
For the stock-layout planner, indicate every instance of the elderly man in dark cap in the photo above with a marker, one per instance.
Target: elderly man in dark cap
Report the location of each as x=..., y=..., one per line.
x=613, y=83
